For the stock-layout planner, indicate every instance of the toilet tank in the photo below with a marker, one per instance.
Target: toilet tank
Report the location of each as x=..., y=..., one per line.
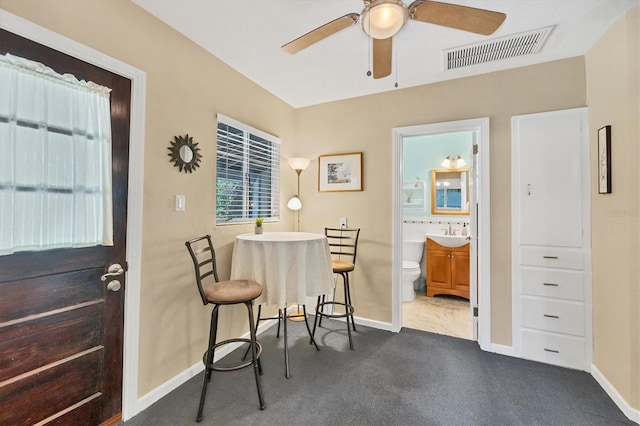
x=412, y=250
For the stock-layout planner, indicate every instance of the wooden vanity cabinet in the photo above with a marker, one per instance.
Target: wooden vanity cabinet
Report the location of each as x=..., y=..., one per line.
x=448, y=269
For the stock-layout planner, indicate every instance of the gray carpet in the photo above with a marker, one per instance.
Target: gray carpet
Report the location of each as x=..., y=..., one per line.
x=406, y=378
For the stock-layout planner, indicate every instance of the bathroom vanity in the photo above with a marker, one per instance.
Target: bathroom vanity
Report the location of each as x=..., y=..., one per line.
x=448, y=268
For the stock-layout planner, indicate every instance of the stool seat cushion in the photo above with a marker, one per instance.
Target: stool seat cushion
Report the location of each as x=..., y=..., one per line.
x=233, y=291
x=340, y=265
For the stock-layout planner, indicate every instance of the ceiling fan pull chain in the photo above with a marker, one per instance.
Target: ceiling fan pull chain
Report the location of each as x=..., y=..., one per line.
x=369, y=49
x=396, y=85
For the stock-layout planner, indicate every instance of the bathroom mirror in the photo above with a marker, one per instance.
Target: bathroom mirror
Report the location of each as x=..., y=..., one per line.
x=450, y=192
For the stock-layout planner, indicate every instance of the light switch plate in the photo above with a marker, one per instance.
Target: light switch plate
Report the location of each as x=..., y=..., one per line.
x=180, y=203
x=343, y=222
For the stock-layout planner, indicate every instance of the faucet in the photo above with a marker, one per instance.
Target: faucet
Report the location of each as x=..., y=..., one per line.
x=449, y=231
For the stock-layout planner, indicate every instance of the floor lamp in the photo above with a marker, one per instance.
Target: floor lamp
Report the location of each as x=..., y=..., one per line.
x=298, y=164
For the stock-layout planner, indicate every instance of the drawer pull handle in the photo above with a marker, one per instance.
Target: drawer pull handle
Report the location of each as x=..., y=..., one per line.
x=549, y=257
x=551, y=316
x=551, y=284
x=552, y=350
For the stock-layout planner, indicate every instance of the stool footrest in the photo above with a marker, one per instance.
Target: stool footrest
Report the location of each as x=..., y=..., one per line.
x=234, y=367
x=348, y=310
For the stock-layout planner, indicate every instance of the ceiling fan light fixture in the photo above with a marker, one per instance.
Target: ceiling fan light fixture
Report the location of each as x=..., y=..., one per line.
x=382, y=19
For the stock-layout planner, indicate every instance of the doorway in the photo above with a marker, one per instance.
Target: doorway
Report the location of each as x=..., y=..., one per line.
x=479, y=301
x=38, y=34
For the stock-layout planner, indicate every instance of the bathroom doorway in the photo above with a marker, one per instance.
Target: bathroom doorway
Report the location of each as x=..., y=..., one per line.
x=413, y=217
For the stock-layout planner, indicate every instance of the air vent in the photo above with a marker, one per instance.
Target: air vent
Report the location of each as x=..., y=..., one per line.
x=526, y=43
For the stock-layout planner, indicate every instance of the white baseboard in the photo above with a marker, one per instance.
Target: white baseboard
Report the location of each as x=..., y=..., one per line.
x=148, y=399
x=501, y=349
x=632, y=413
x=386, y=326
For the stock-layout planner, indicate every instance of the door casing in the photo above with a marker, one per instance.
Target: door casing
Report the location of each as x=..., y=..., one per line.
x=480, y=250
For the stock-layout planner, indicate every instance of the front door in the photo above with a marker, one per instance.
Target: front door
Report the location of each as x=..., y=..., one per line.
x=61, y=328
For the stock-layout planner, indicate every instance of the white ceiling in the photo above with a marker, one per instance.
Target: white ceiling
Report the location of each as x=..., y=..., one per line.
x=247, y=35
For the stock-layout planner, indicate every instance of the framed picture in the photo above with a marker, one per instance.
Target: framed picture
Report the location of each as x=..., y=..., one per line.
x=340, y=172
x=604, y=160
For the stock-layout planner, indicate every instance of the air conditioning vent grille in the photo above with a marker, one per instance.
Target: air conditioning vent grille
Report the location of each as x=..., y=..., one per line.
x=526, y=43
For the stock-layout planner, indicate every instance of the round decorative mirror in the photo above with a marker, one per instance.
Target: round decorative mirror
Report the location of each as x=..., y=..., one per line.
x=184, y=153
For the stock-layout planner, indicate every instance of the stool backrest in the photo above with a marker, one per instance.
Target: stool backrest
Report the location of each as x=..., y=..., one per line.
x=204, y=262
x=343, y=242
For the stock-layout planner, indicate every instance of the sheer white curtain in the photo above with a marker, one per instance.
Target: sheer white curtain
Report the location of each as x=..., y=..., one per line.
x=55, y=159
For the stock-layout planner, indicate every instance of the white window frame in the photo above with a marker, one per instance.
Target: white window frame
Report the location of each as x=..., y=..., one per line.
x=247, y=215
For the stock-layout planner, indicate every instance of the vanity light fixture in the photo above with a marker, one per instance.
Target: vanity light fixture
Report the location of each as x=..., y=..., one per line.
x=453, y=162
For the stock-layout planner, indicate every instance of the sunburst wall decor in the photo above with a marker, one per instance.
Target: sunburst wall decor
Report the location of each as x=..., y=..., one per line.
x=185, y=154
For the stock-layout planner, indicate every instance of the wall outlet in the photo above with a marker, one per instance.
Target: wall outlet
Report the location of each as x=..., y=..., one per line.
x=343, y=222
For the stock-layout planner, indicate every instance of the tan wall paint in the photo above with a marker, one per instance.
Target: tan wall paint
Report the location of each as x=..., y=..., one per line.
x=613, y=92
x=365, y=124
x=186, y=87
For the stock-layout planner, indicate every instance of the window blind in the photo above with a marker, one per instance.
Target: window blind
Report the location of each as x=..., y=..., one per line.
x=247, y=173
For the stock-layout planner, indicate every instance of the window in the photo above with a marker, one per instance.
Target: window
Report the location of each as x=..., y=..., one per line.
x=247, y=174
x=449, y=198
x=55, y=159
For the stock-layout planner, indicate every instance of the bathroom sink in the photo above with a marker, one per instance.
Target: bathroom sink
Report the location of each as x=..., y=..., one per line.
x=449, y=240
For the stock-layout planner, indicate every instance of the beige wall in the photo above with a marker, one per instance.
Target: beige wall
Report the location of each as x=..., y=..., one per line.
x=186, y=87
x=365, y=124
x=613, y=91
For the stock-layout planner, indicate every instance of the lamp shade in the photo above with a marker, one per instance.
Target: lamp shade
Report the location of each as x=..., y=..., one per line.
x=297, y=163
x=294, y=203
x=384, y=18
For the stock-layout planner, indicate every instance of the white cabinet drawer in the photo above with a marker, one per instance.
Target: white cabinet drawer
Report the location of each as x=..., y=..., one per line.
x=565, y=351
x=552, y=315
x=550, y=282
x=552, y=257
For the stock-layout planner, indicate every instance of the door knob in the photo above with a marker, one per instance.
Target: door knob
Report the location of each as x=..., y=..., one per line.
x=114, y=285
x=113, y=271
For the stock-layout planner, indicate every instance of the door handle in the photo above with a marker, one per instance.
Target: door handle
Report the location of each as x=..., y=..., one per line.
x=113, y=271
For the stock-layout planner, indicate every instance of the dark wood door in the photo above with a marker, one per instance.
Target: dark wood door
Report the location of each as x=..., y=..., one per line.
x=60, y=328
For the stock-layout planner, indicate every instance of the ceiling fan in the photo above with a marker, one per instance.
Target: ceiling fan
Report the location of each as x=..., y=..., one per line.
x=382, y=19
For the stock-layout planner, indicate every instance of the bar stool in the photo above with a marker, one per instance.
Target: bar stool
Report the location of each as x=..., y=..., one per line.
x=343, y=243
x=220, y=293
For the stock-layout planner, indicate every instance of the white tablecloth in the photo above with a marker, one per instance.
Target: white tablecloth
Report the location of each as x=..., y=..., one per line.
x=290, y=265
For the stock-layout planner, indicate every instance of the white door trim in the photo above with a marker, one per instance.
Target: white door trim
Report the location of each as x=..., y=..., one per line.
x=44, y=36
x=481, y=126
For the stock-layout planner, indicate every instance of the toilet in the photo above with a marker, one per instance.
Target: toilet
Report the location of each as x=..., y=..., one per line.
x=411, y=257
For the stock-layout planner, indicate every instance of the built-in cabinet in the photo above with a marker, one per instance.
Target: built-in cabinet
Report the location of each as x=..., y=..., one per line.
x=414, y=196
x=551, y=269
x=448, y=269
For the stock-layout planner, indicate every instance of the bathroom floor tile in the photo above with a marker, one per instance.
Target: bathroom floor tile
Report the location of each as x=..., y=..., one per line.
x=447, y=315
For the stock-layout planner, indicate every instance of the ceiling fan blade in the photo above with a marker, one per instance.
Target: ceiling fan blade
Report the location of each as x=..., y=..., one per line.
x=479, y=21
x=321, y=33
x=382, y=56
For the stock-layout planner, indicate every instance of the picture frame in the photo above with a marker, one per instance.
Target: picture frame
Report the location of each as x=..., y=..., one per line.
x=604, y=160
x=340, y=172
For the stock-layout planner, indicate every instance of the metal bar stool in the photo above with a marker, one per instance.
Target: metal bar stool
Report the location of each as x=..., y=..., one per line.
x=343, y=243
x=223, y=293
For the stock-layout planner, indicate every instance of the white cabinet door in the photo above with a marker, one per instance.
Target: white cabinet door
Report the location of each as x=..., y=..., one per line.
x=550, y=177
